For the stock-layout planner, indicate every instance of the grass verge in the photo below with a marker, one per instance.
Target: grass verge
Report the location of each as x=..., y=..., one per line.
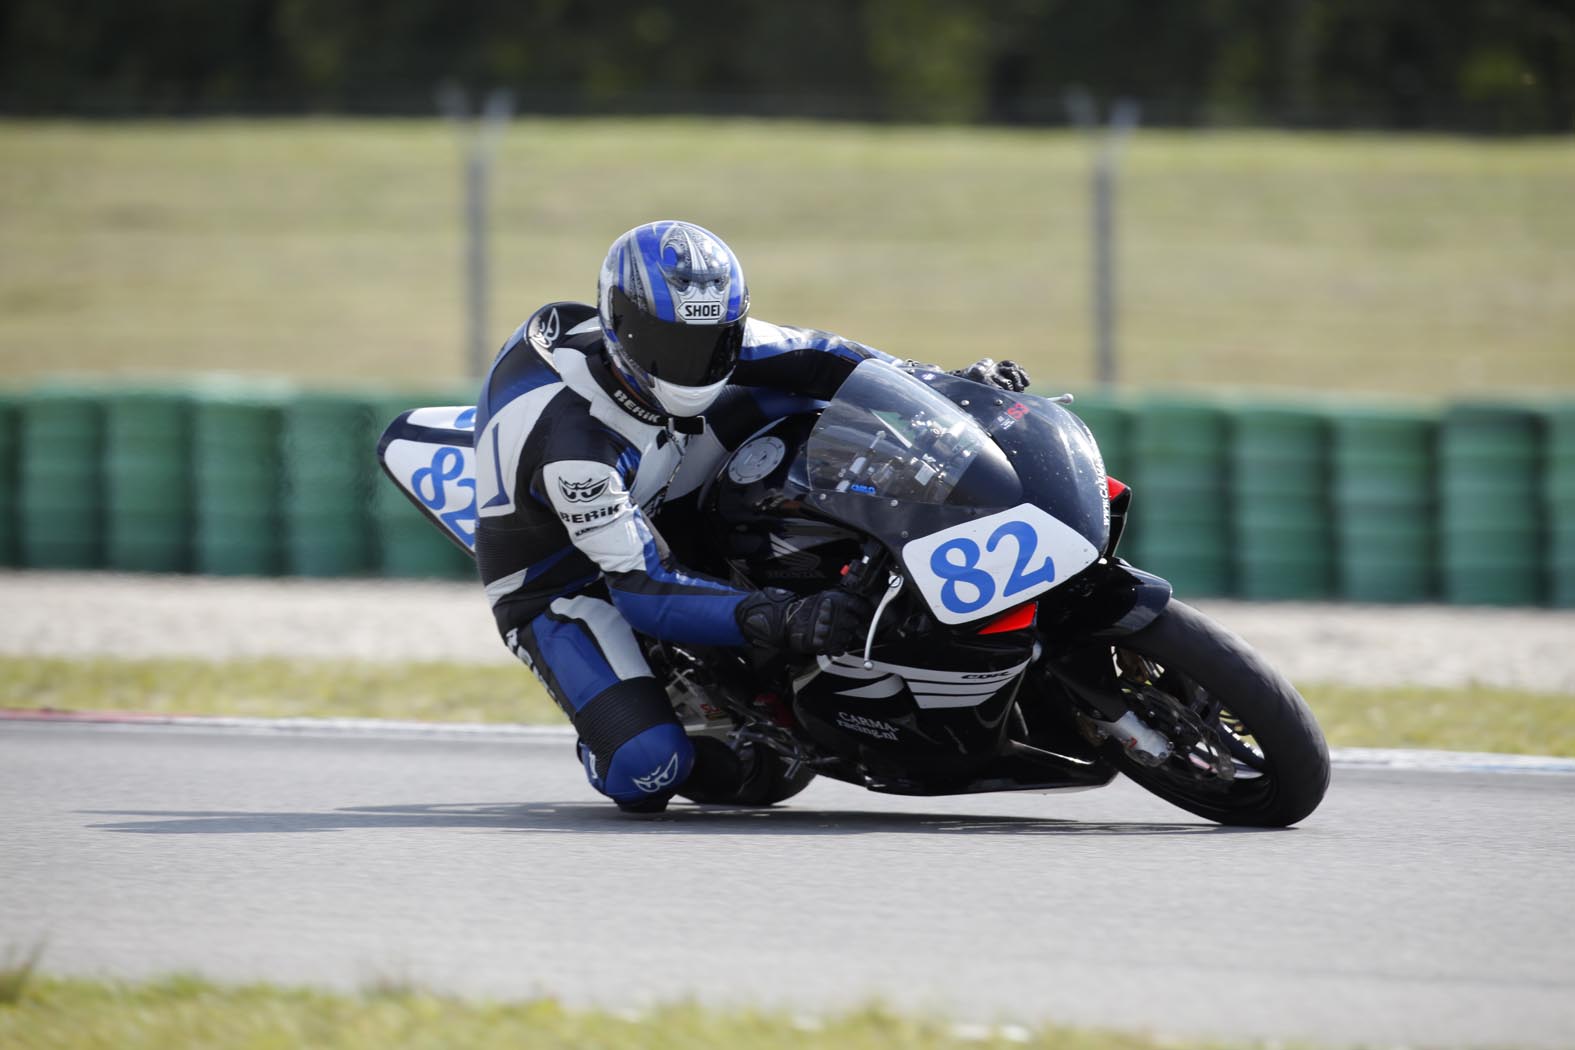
x=17, y=971
x=279, y=688
x=185, y=1011
x=1478, y=718
x=328, y=249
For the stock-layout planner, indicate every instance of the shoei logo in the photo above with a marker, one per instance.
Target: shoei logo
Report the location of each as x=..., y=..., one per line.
x=695, y=311
x=658, y=778
x=582, y=491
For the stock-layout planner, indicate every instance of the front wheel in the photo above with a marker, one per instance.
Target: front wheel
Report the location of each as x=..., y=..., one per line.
x=1247, y=751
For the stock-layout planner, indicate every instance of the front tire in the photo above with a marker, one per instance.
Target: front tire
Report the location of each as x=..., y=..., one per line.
x=1247, y=749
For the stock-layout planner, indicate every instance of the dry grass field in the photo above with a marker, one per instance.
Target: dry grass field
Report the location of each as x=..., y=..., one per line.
x=330, y=250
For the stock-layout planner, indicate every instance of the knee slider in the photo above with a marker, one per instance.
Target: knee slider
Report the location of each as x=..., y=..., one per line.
x=653, y=763
x=639, y=748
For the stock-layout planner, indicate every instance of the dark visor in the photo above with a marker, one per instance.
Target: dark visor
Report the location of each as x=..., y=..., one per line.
x=674, y=352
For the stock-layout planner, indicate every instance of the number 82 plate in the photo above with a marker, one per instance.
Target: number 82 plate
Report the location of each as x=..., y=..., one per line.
x=986, y=566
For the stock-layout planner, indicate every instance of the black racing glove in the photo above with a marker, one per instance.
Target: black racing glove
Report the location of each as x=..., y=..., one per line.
x=1007, y=375
x=832, y=621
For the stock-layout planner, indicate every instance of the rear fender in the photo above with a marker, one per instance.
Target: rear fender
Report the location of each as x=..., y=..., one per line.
x=427, y=454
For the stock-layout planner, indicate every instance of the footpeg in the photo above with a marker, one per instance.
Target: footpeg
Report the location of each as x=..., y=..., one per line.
x=1144, y=743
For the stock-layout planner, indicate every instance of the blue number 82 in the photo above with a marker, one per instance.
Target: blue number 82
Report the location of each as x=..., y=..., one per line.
x=968, y=571
x=448, y=464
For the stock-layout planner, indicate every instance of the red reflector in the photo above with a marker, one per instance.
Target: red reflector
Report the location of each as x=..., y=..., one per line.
x=1116, y=487
x=1012, y=619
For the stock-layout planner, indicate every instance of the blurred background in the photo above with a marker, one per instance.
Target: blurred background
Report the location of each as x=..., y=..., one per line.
x=1338, y=237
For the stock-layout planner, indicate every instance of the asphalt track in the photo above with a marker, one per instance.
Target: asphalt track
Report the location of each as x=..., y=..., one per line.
x=1414, y=908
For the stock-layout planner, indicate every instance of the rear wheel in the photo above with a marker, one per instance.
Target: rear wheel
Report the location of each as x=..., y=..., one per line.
x=751, y=775
x=1247, y=751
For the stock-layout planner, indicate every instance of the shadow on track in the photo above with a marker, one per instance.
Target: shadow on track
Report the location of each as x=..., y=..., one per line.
x=593, y=818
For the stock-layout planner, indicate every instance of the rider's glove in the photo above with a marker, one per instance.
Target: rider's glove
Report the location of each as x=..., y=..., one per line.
x=1007, y=375
x=832, y=621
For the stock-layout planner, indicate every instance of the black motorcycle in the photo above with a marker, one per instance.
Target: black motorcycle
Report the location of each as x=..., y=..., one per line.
x=1010, y=648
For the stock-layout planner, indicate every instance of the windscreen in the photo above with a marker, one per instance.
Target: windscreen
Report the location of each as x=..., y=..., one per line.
x=887, y=435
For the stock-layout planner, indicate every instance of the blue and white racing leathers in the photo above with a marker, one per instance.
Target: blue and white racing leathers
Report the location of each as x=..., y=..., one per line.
x=569, y=470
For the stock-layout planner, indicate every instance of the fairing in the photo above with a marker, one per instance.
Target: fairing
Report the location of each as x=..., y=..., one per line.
x=427, y=454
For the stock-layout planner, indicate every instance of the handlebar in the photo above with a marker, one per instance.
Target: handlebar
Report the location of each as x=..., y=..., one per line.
x=866, y=574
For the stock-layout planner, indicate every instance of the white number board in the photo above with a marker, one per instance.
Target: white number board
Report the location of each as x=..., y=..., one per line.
x=439, y=468
x=459, y=417
x=986, y=566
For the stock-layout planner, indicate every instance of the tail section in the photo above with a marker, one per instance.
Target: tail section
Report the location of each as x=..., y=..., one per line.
x=427, y=453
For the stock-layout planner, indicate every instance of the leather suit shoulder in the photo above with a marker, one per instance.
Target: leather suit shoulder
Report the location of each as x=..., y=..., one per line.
x=563, y=324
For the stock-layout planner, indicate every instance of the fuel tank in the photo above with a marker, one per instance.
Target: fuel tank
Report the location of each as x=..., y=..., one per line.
x=759, y=522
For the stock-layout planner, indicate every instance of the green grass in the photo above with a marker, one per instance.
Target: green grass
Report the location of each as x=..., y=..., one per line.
x=1471, y=719
x=330, y=249
x=276, y=688
x=18, y=969
x=188, y=1012
x=1481, y=718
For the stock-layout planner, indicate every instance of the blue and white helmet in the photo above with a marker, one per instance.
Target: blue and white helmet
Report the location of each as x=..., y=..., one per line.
x=673, y=303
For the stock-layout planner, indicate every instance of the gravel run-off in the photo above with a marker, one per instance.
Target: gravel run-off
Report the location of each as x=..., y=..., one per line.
x=140, y=617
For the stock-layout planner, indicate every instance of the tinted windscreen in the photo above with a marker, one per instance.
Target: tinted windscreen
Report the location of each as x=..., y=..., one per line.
x=679, y=353
x=887, y=435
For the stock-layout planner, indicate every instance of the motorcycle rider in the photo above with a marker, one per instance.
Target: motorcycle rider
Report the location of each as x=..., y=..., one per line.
x=592, y=418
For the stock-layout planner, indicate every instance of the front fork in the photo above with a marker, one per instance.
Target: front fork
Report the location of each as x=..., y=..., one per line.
x=1077, y=624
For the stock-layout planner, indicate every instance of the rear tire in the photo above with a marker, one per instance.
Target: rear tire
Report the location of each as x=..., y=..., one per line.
x=1282, y=760
x=752, y=776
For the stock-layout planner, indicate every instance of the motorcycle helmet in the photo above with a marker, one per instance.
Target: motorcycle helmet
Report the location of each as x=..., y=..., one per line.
x=673, y=302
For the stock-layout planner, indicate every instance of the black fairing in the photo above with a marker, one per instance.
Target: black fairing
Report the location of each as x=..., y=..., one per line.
x=897, y=730
x=892, y=709
x=1055, y=460
x=1053, y=453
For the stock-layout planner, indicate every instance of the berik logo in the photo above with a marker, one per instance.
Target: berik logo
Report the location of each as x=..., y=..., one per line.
x=636, y=409
x=546, y=332
x=659, y=777
x=582, y=491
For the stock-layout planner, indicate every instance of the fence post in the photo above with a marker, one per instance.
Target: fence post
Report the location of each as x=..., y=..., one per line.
x=1103, y=183
x=481, y=151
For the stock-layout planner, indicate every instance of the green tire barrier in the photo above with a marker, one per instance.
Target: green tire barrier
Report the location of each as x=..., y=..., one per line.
x=328, y=460
x=1558, y=488
x=147, y=481
x=1279, y=503
x=1472, y=504
x=9, y=444
x=1490, y=505
x=1179, y=513
x=238, y=488
x=60, y=504
x=1382, y=495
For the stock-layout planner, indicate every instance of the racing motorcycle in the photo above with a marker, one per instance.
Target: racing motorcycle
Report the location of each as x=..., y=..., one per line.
x=1010, y=648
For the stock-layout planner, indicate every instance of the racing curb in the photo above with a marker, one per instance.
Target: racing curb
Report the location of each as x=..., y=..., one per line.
x=1396, y=759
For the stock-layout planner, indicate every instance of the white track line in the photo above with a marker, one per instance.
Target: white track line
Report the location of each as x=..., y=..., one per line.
x=1447, y=761
x=1345, y=757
